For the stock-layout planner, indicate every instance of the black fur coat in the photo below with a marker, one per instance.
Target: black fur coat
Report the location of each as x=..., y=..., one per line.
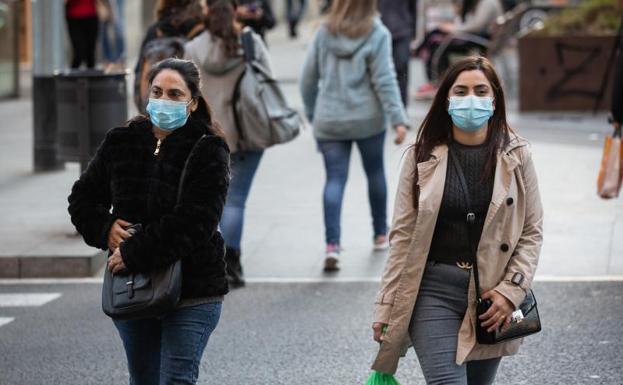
x=142, y=188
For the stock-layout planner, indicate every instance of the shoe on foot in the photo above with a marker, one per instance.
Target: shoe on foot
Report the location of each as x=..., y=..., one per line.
x=426, y=92
x=381, y=243
x=233, y=268
x=331, y=261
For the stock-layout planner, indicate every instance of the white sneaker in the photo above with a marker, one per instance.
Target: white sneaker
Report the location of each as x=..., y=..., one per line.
x=331, y=260
x=381, y=243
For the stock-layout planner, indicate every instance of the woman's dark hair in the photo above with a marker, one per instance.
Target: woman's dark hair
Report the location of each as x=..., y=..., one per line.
x=467, y=6
x=436, y=128
x=190, y=73
x=165, y=7
x=220, y=23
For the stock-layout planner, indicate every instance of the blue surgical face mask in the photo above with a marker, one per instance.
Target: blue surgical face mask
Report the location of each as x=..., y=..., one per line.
x=470, y=113
x=167, y=114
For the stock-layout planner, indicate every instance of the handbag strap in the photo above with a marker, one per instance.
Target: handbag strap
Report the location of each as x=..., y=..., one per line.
x=183, y=175
x=470, y=218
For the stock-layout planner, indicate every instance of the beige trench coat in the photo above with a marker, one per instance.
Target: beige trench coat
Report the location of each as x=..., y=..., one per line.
x=510, y=243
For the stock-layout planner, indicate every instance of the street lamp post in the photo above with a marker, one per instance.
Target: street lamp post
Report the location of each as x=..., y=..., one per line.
x=48, y=57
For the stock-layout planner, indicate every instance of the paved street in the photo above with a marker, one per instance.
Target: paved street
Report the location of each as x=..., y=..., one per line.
x=300, y=334
x=293, y=324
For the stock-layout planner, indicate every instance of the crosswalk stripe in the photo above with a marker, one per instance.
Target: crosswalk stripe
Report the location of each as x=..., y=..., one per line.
x=5, y=320
x=27, y=299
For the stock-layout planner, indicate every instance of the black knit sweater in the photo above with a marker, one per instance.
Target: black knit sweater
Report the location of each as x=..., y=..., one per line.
x=142, y=188
x=450, y=239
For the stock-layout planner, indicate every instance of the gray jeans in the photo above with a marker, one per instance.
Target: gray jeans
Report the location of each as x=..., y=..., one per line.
x=434, y=328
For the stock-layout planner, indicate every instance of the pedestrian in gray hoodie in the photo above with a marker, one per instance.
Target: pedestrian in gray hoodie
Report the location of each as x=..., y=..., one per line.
x=351, y=94
x=218, y=54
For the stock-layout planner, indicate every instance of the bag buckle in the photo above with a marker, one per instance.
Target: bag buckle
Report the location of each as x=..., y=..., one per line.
x=130, y=285
x=464, y=265
x=517, y=316
x=471, y=217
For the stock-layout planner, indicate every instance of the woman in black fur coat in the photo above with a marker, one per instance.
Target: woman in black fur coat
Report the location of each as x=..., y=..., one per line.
x=136, y=171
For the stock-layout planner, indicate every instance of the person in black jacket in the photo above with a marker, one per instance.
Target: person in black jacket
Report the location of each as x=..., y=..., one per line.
x=257, y=14
x=399, y=17
x=136, y=171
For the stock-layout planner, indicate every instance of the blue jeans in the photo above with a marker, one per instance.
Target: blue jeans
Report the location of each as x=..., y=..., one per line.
x=113, y=48
x=168, y=350
x=439, y=310
x=244, y=164
x=336, y=154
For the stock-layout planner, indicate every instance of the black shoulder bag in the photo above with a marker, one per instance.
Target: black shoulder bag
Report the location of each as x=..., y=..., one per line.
x=526, y=319
x=145, y=295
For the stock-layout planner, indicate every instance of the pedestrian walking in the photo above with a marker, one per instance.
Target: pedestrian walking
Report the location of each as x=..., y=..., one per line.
x=256, y=14
x=295, y=10
x=137, y=171
x=399, y=17
x=465, y=153
x=177, y=21
x=475, y=17
x=350, y=94
x=113, y=38
x=82, y=24
x=217, y=52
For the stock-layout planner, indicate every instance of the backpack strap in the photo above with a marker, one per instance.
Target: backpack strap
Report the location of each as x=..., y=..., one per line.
x=248, y=45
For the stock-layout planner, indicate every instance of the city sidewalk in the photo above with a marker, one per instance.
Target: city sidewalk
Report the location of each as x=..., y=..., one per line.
x=283, y=237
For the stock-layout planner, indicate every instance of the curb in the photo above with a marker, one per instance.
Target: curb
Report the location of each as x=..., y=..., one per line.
x=52, y=266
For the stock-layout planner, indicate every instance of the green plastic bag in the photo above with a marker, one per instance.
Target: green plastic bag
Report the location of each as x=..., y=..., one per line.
x=378, y=378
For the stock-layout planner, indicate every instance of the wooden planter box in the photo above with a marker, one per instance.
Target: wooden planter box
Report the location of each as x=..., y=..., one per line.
x=564, y=73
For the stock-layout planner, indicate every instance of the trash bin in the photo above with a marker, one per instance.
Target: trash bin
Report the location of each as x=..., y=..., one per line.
x=89, y=103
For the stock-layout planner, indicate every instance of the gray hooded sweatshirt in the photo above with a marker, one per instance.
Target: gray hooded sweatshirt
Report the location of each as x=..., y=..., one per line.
x=219, y=74
x=349, y=86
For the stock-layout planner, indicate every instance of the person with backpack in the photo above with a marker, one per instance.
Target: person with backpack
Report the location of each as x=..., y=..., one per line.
x=218, y=54
x=177, y=21
x=350, y=94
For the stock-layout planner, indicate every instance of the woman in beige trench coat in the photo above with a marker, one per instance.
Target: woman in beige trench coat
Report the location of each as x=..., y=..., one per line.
x=427, y=293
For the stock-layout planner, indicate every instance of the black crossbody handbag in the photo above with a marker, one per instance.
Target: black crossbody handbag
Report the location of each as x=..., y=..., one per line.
x=145, y=295
x=526, y=319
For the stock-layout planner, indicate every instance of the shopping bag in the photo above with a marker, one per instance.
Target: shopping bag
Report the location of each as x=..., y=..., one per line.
x=611, y=170
x=378, y=378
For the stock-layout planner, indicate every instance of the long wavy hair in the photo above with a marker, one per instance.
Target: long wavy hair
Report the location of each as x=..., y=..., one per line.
x=436, y=128
x=190, y=73
x=351, y=18
x=220, y=23
x=164, y=7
